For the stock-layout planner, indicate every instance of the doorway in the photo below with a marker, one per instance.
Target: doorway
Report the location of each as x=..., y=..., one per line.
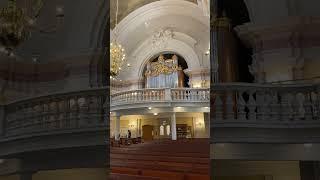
x=147, y=132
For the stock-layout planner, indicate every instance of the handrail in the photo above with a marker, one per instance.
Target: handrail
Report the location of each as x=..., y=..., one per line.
x=63, y=111
x=161, y=95
x=241, y=103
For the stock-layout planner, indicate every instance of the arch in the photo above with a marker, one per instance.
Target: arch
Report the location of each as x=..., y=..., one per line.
x=189, y=19
x=186, y=41
x=175, y=46
x=145, y=52
x=156, y=9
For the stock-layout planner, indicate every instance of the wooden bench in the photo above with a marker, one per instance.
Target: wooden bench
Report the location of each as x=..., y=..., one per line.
x=116, y=176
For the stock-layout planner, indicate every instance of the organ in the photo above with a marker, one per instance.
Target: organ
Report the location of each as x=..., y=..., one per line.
x=164, y=73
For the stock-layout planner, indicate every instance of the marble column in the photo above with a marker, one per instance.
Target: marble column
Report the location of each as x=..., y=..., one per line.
x=117, y=128
x=173, y=127
x=225, y=57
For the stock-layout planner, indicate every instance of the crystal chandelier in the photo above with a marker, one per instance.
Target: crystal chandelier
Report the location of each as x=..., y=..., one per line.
x=117, y=53
x=15, y=23
x=117, y=57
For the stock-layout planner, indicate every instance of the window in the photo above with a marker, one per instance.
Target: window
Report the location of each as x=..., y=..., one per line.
x=161, y=130
x=168, y=130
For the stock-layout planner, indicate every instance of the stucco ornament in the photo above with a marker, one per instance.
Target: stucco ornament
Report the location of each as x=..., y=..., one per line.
x=161, y=37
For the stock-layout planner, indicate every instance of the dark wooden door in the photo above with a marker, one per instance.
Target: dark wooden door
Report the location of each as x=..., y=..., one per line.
x=147, y=132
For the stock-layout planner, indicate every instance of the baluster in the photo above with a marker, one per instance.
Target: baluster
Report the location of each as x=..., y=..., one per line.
x=51, y=114
x=241, y=105
x=144, y=95
x=94, y=109
x=218, y=104
x=307, y=105
x=191, y=95
x=140, y=96
x=173, y=94
x=314, y=105
x=286, y=111
x=275, y=107
x=57, y=113
x=83, y=112
x=47, y=115
x=36, y=112
x=24, y=121
x=147, y=95
x=136, y=96
x=262, y=105
x=184, y=95
x=296, y=104
x=74, y=112
x=157, y=95
x=318, y=104
x=65, y=113
x=229, y=106
x=152, y=95
x=252, y=107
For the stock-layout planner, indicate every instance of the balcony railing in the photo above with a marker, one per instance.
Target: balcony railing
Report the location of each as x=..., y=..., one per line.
x=273, y=106
x=56, y=113
x=161, y=95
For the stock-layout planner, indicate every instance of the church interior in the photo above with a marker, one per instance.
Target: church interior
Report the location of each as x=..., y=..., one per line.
x=159, y=90
x=265, y=52
x=160, y=93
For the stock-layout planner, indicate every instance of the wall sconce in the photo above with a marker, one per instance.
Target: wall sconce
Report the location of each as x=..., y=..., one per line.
x=199, y=124
x=59, y=11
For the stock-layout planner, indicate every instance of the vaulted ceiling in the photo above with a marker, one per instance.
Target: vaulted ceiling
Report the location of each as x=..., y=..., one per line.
x=126, y=7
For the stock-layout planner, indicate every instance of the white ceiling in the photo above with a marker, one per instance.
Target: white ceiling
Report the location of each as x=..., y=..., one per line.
x=182, y=17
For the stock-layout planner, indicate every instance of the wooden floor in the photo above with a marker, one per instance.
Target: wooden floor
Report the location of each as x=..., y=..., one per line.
x=162, y=160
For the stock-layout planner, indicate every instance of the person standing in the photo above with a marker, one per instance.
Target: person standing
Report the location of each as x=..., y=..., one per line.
x=129, y=134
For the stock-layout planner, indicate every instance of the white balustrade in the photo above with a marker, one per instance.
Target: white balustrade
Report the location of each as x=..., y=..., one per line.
x=58, y=112
x=273, y=104
x=161, y=95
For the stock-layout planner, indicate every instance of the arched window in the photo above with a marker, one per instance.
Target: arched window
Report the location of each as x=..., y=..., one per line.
x=161, y=130
x=168, y=130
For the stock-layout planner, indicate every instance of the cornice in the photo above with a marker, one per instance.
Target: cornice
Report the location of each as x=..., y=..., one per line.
x=278, y=34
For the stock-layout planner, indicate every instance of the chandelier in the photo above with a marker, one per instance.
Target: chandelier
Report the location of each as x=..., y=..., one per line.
x=117, y=53
x=117, y=57
x=15, y=23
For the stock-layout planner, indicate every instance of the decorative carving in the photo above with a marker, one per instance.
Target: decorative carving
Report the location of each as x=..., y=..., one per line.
x=163, y=66
x=160, y=38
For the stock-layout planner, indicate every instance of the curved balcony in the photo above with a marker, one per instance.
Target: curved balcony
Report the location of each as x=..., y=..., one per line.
x=165, y=97
x=245, y=113
x=59, y=120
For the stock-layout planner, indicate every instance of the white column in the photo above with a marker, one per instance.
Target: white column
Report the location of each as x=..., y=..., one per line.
x=173, y=127
x=117, y=128
x=137, y=128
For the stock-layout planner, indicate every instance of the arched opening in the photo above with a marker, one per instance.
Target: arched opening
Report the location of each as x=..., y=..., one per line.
x=181, y=79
